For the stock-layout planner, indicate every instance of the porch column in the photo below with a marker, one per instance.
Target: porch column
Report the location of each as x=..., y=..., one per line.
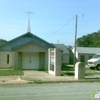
x=46, y=60
x=15, y=62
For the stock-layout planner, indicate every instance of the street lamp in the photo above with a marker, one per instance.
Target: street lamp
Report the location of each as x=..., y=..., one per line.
x=75, y=38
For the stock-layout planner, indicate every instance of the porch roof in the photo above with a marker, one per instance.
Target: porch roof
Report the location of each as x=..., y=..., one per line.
x=88, y=50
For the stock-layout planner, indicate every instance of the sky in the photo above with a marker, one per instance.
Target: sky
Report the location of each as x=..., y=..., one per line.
x=52, y=20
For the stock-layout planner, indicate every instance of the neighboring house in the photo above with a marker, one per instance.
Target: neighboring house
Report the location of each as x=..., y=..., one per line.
x=65, y=52
x=25, y=52
x=85, y=53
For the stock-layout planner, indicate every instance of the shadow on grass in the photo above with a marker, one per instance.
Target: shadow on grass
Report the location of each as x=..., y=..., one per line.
x=87, y=74
x=67, y=74
x=67, y=67
x=93, y=78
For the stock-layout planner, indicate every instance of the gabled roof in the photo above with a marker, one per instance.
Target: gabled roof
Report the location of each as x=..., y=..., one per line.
x=62, y=47
x=24, y=39
x=88, y=50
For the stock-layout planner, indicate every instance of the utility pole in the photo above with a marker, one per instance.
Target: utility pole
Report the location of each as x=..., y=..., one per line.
x=75, y=40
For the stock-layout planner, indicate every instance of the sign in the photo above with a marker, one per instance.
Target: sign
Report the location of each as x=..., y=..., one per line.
x=52, y=57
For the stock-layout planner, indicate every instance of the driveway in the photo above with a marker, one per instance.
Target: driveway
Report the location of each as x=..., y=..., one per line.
x=35, y=73
x=44, y=76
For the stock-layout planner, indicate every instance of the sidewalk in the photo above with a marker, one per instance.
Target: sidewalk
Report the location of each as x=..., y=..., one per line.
x=47, y=78
x=31, y=77
x=12, y=80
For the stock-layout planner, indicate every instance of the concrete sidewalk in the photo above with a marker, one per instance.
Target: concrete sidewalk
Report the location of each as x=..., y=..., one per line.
x=12, y=80
x=44, y=77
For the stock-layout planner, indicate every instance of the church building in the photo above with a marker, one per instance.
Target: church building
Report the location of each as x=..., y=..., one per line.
x=27, y=51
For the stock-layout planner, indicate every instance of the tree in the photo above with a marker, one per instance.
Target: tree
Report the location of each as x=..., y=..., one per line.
x=2, y=41
x=89, y=40
x=69, y=47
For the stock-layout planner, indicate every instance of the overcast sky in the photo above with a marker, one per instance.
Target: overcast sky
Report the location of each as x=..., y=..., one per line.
x=52, y=20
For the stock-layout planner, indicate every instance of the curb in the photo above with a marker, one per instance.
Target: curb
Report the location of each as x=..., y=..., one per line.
x=47, y=82
x=77, y=81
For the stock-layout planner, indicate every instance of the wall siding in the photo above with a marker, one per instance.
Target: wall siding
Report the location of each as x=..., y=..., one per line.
x=86, y=57
x=65, y=58
x=3, y=60
x=32, y=47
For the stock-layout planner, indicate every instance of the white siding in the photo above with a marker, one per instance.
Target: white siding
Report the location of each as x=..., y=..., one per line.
x=3, y=60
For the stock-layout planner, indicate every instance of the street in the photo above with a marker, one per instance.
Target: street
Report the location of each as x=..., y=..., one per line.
x=61, y=91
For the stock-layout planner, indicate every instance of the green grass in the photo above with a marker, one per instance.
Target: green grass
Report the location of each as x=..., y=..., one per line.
x=68, y=70
x=11, y=72
x=67, y=67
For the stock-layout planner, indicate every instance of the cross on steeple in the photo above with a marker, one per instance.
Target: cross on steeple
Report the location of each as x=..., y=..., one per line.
x=28, y=29
x=29, y=13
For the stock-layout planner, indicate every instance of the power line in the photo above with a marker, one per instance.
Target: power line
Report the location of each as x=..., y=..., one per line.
x=61, y=27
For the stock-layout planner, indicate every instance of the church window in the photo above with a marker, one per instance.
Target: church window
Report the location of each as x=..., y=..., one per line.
x=7, y=58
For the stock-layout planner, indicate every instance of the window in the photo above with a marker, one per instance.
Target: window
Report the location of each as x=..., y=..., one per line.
x=82, y=58
x=96, y=56
x=7, y=58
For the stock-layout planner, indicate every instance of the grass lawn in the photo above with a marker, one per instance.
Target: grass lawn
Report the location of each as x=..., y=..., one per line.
x=68, y=70
x=11, y=72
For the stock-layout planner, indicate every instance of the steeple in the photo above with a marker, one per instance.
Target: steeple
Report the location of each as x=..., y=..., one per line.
x=28, y=28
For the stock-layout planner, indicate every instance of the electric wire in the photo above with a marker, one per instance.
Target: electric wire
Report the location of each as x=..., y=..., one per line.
x=60, y=28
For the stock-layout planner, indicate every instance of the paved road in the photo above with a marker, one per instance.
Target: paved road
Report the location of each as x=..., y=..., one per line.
x=68, y=91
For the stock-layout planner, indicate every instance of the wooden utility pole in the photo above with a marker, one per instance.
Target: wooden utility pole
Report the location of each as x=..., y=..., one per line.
x=75, y=40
